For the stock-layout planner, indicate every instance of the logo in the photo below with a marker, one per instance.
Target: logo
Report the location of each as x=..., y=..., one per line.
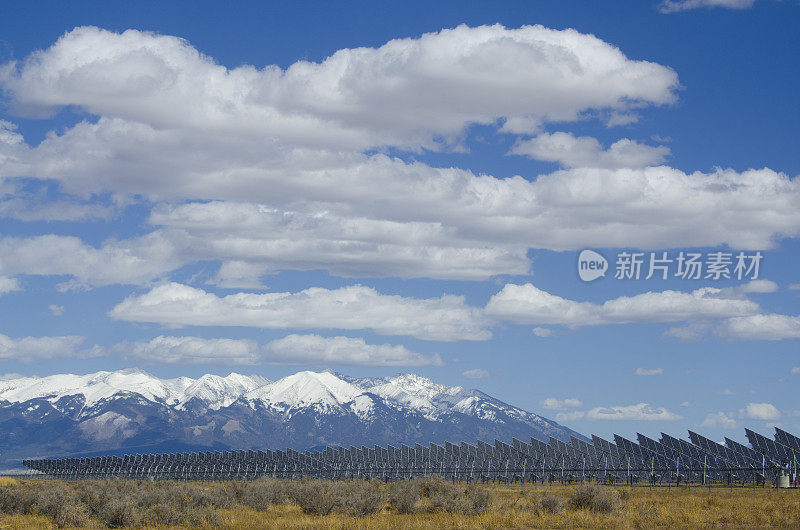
x=591, y=265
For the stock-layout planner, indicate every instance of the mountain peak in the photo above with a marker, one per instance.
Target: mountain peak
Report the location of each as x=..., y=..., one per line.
x=301, y=410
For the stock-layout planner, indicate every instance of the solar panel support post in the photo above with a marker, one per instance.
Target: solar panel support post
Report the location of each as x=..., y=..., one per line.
x=705, y=466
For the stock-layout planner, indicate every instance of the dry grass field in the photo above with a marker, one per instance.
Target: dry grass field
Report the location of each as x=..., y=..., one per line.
x=426, y=503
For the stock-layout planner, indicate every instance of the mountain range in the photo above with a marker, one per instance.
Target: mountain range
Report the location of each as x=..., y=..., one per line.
x=131, y=410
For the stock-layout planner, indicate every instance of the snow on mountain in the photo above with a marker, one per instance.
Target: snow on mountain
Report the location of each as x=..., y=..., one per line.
x=94, y=387
x=214, y=391
x=323, y=391
x=132, y=410
x=217, y=392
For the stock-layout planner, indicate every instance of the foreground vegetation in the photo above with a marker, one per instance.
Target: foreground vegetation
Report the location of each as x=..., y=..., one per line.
x=421, y=503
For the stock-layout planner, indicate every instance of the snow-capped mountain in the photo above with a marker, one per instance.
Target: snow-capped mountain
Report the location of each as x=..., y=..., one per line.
x=131, y=410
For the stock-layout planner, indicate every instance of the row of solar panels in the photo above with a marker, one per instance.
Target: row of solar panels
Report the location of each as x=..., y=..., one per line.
x=667, y=459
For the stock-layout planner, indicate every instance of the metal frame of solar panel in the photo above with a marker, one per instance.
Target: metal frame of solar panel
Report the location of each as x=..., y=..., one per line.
x=655, y=461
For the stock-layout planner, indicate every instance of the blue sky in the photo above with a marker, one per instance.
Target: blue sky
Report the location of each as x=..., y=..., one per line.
x=407, y=188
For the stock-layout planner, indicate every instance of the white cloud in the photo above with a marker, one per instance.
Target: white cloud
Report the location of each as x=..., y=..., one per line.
x=255, y=237
x=686, y=404
x=649, y=371
x=727, y=392
x=759, y=286
x=173, y=125
x=190, y=350
x=760, y=411
x=292, y=349
x=526, y=304
x=29, y=349
x=796, y=370
x=399, y=94
x=476, y=373
x=446, y=318
x=313, y=349
x=543, y=332
x=794, y=287
x=585, y=151
x=57, y=310
x=136, y=261
x=570, y=416
x=719, y=419
x=640, y=411
x=690, y=332
x=672, y=6
x=761, y=327
x=9, y=285
x=552, y=403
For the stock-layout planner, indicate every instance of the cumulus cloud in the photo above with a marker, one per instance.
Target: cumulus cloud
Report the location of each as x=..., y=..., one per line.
x=640, y=411
x=759, y=286
x=190, y=350
x=313, y=349
x=760, y=411
x=527, y=304
x=29, y=349
x=476, y=373
x=575, y=415
x=292, y=349
x=796, y=370
x=719, y=419
x=447, y=318
x=287, y=156
x=57, y=310
x=542, y=332
x=761, y=327
x=136, y=261
x=649, y=371
x=672, y=6
x=9, y=285
x=398, y=94
x=585, y=151
x=552, y=403
x=254, y=237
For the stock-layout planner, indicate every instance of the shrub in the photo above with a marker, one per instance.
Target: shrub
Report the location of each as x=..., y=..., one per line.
x=318, y=497
x=591, y=497
x=403, y=496
x=551, y=503
x=263, y=493
x=606, y=502
x=456, y=498
x=16, y=500
x=361, y=497
x=119, y=513
x=583, y=496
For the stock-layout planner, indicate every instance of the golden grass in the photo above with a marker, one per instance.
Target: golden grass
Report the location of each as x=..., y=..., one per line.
x=518, y=507
x=7, y=481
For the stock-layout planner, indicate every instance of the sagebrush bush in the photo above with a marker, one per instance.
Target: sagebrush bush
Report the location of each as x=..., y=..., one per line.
x=262, y=493
x=361, y=497
x=551, y=503
x=468, y=499
x=583, y=496
x=318, y=497
x=403, y=495
x=606, y=502
x=592, y=497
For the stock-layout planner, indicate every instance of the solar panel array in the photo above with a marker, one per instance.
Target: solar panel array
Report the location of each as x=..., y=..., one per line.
x=667, y=460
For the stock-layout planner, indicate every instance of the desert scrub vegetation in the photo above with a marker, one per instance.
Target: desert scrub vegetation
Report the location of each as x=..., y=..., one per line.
x=594, y=497
x=419, y=503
